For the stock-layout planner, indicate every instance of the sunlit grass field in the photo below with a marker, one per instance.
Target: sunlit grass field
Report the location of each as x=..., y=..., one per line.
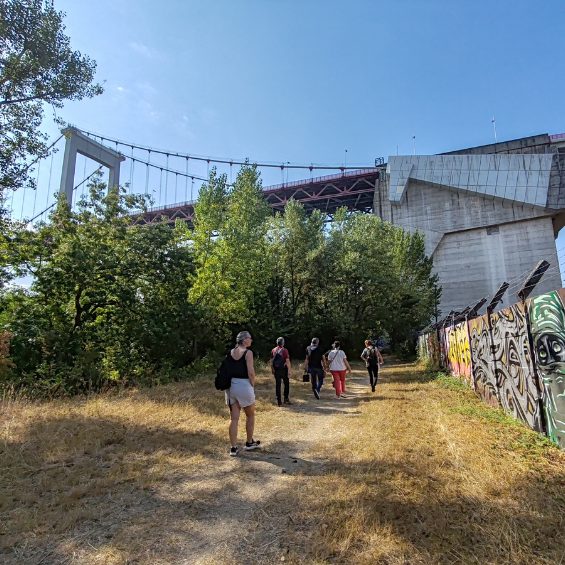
x=421, y=471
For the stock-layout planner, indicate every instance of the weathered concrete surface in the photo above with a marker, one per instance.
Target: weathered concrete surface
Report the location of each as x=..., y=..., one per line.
x=488, y=214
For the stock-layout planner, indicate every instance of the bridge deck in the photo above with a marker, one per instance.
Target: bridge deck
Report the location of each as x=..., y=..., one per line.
x=354, y=189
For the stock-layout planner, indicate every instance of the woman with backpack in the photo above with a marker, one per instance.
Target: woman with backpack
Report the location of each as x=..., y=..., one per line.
x=281, y=369
x=372, y=357
x=337, y=360
x=241, y=393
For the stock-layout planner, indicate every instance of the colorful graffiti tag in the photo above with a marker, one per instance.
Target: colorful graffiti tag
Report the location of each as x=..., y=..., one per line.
x=514, y=359
x=459, y=352
x=514, y=369
x=547, y=328
x=484, y=373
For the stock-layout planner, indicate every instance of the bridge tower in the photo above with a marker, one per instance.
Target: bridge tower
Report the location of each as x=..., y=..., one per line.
x=77, y=142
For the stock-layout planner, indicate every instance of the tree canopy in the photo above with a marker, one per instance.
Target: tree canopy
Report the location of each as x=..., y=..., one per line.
x=113, y=302
x=108, y=302
x=37, y=67
x=298, y=276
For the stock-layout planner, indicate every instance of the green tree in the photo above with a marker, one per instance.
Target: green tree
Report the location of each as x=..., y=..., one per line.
x=230, y=250
x=109, y=300
x=414, y=297
x=294, y=264
x=381, y=280
x=37, y=67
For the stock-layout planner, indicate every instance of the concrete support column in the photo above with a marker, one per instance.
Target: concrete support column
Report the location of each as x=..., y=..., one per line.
x=76, y=143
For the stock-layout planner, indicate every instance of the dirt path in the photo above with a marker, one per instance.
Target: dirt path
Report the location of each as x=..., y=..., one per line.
x=251, y=515
x=417, y=472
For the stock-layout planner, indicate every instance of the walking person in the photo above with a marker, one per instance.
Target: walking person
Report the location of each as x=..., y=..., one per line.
x=372, y=357
x=337, y=360
x=281, y=369
x=314, y=365
x=241, y=394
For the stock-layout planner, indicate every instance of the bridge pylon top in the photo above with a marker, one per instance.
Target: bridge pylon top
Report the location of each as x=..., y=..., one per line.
x=78, y=142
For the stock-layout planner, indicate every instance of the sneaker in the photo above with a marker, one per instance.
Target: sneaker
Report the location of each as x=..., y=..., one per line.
x=287, y=401
x=372, y=389
x=316, y=394
x=234, y=451
x=249, y=445
x=343, y=395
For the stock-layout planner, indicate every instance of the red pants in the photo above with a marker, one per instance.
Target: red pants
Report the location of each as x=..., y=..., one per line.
x=339, y=381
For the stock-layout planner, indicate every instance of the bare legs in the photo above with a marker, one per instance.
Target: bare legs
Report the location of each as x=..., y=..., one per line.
x=234, y=422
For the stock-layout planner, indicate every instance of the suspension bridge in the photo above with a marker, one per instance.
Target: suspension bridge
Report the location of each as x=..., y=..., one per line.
x=169, y=178
x=488, y=214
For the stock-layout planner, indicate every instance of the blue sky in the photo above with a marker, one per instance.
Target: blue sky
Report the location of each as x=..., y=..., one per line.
x=301, y=81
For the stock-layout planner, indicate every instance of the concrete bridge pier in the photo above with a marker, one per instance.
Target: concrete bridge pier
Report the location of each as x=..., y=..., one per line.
x=488, y=214
x=76, y=143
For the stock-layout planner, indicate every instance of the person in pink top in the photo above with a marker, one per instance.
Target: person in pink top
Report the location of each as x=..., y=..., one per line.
x=337, y=360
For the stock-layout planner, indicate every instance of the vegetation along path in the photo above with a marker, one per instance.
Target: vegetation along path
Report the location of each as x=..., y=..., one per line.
x=418, y=472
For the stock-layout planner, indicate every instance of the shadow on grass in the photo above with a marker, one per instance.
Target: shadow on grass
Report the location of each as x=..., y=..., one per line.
x=178, y=516
x=132, y=492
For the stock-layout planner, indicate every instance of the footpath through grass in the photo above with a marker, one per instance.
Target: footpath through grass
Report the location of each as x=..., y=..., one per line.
x=420, y=471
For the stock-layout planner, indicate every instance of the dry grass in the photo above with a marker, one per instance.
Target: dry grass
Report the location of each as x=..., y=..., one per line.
x=418, y=472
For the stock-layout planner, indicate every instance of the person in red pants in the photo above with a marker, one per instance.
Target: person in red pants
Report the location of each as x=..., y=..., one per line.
x=337, y=360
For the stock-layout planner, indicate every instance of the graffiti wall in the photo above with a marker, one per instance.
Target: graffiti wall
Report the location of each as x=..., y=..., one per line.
x=514, y=370
x=547, y=329
x=514, y=359
x=460, y=353
x=434, y=349
x=444, y=347
x=429, y=346
x=484, y=373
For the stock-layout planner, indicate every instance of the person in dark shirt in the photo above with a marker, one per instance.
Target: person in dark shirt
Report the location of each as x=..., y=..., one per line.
x=281, y=369
x=373, y=358
x=314, y=365
x=241, y=394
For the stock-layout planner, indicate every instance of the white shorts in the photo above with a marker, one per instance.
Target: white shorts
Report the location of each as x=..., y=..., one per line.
x=240, y=391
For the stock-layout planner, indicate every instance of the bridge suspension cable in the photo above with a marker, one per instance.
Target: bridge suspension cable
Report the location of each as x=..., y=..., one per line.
x=42, y=156
x=74, y=188
x=224, y=161
x=168, y=170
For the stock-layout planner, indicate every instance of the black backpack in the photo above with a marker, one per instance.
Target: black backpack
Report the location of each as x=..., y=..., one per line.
x=223, y=377
x=278, y=361
x=372, y=357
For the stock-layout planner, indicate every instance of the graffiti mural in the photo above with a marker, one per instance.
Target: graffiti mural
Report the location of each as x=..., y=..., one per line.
x=459, y=352
x=434, y=349
x=514, y=359
x=514, y=370
x=484, y=373
x=444, y=347
x=547, y=327
x=430, y=347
